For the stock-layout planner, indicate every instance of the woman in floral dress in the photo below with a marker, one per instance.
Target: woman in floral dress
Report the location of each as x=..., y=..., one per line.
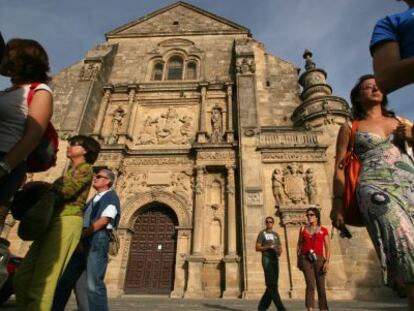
x=385, y=192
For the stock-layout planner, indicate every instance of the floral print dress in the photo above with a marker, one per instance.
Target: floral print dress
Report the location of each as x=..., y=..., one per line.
x=385, y=197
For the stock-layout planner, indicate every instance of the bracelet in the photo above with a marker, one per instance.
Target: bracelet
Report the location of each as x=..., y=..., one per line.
x=4, y=165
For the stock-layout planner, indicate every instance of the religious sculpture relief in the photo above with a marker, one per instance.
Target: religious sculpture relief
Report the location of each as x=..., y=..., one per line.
x=293, y=186
x=216, y=126
x=117, y=118
x=168, y=128
x=182, y=184
x=89, y=71
x=132, y=182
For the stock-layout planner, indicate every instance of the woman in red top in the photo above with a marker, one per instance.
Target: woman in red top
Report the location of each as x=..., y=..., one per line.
x=313, y=258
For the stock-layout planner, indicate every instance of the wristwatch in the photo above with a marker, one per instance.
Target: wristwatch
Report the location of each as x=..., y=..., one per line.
x=5, y=166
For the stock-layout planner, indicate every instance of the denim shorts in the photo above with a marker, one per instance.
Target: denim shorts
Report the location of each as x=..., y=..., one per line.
x=10, y=183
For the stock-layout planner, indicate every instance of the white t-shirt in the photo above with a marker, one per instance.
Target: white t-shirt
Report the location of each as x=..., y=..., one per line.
x=13, y=113
x=110, y=211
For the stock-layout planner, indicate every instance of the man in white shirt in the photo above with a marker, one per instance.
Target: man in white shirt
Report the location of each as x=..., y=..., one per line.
x=101, y=215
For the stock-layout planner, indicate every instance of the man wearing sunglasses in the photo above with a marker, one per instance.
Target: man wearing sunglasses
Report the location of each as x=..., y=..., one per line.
x=268, y=242
x=102, y=214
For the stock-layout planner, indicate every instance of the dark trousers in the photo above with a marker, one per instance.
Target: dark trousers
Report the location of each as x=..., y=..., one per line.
x=73, y=271
x=95, y=263
x=314, y=276
x=271, y=271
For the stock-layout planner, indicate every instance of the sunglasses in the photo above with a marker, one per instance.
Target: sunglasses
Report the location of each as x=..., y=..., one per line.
x=310, y=214
x=100, y=176
x=269, y=221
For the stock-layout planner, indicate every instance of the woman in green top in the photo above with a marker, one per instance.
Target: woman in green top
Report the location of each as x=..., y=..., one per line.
x=37, y=277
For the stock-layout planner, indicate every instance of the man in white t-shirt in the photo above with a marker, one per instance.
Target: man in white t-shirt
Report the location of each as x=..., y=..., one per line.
x=102, y=214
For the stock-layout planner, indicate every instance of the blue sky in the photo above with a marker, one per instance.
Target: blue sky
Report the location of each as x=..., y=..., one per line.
x=337, y=32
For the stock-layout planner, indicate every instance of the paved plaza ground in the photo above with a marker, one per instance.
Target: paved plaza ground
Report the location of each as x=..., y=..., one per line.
x=140, y=303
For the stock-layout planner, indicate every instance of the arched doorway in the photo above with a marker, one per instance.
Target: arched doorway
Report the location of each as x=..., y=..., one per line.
x=151, y=261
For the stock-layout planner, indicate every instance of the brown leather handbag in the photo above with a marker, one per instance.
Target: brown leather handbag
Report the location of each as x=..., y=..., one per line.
x=352, y=168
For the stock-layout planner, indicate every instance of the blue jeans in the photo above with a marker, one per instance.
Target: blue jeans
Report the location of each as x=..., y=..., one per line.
x=96, y=263
x=10, y=183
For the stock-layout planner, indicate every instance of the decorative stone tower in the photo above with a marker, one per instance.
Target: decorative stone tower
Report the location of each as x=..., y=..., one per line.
x=319, y=106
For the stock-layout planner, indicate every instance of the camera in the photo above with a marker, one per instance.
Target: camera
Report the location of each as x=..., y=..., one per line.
x=312, y=256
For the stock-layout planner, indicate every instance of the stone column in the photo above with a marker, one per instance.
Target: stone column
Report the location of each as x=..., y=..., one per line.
x=202, y=134
x=196, y=260
x=229, y=130
x=131, y=110
x=198, y=212
x=183, y=250
x=231, y=212
x=102, y=111
x=231, y=260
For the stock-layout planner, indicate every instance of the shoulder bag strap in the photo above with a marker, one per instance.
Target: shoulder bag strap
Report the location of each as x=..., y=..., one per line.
x=32, y=91
x=351, y=142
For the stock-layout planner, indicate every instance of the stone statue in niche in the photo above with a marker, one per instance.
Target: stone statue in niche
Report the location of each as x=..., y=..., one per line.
x=277, y=187
x=294, y=184
x=117, y=117
x=168, y=128
x=310, y=186
x=216, y=125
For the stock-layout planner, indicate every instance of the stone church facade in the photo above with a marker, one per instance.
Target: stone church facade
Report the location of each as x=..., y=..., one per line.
x=208, y=134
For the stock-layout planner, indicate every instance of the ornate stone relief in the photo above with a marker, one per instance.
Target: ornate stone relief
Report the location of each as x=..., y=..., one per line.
x=132, y=182
x=168, y=128
x=292, y=216
x=182, y=183
x=292, y=186
x=89, y=71
x=216, y=155
x=245, y=65
x=150, y=161
x=294, y=156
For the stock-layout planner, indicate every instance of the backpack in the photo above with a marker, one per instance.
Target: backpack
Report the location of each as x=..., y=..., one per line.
x=43, y=156
x=352, y=168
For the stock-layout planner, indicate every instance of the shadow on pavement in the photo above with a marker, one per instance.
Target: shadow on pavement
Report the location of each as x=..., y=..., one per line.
x=219, y=307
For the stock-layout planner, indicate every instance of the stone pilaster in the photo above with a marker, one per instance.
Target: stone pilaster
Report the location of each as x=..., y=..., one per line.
x=231, y=213
x=132, y=109
x=202, y=133
x=194, y=283
x=196, y=260
x=102, y=110
x=229, y=130
x=231, y=260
